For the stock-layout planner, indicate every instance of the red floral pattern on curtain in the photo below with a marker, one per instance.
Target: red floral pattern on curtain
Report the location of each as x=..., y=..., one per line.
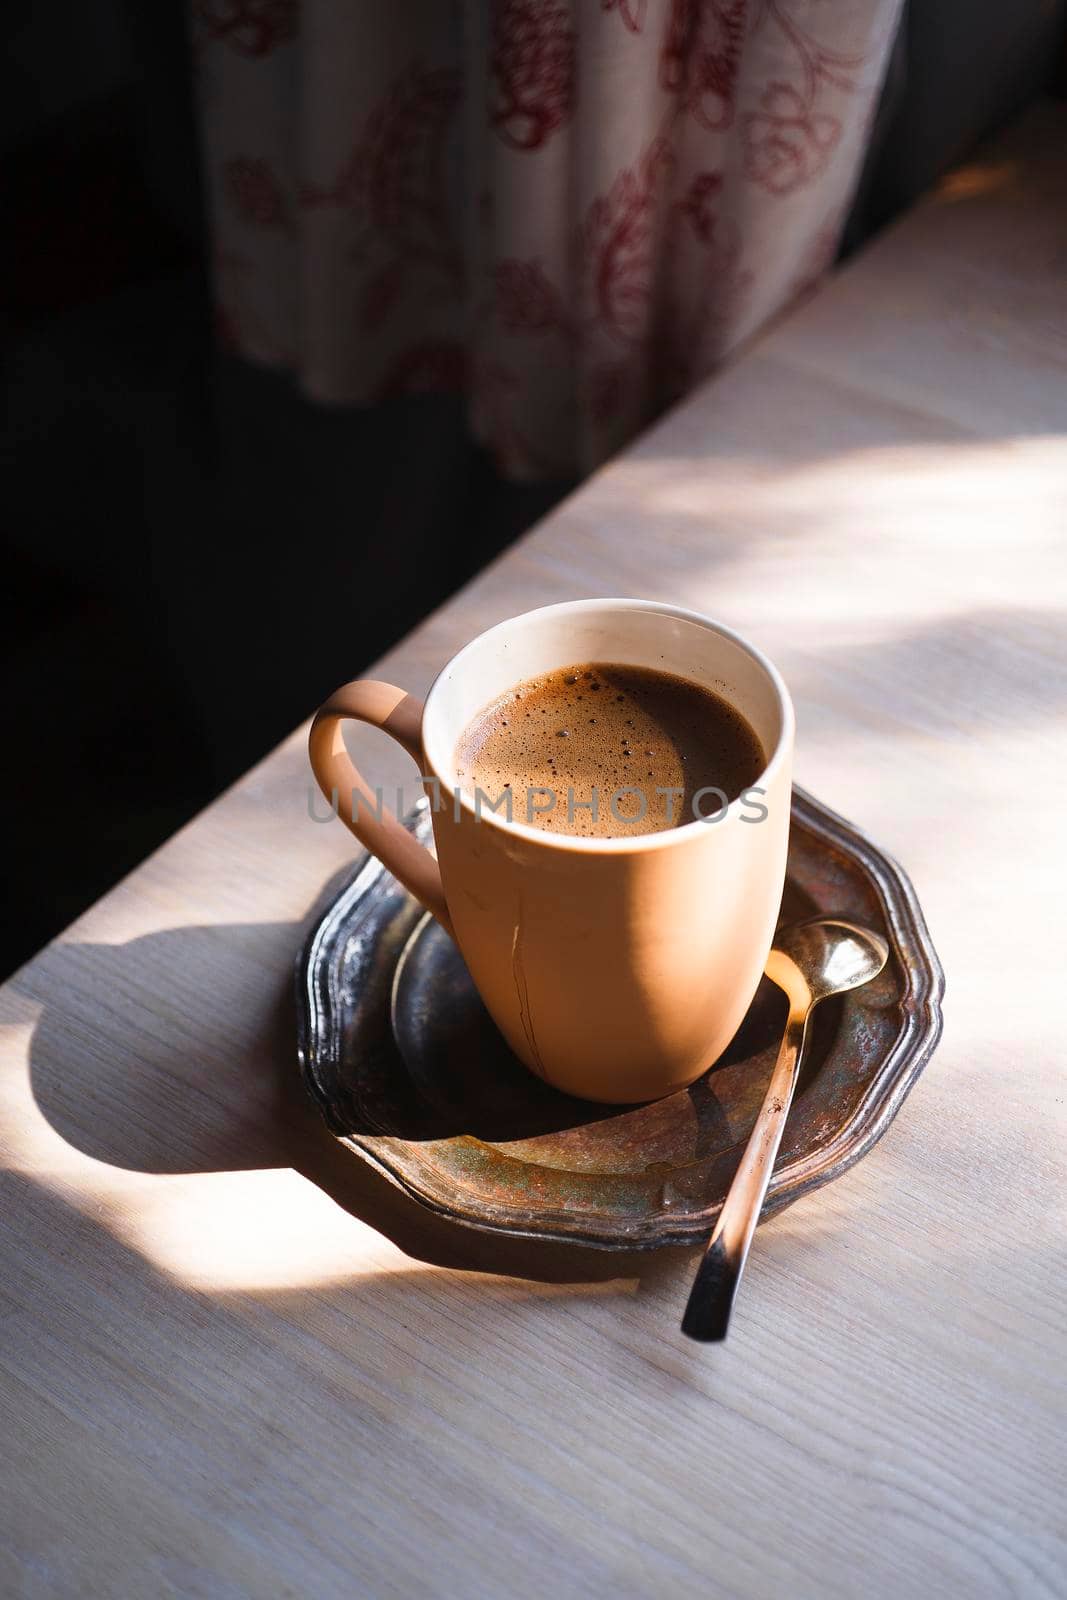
x=531, y=63
x=571, y=209
x=251, y=27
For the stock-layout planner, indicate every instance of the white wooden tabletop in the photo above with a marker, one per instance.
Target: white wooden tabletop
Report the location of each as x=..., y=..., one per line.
x=234, y=1364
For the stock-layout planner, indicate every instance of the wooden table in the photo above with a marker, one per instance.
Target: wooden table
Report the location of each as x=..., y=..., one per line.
x=232, y=1364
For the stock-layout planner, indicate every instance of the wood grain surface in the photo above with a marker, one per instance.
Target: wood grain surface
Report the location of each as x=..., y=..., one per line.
x=233, y=1364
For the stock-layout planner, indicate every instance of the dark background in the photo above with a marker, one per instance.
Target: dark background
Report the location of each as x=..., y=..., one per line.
x=185, y=536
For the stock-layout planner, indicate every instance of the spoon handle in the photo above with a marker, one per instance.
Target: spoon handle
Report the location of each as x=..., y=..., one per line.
x=711, y=1298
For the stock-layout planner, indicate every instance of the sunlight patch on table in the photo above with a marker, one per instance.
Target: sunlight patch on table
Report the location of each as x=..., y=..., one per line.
x=253, y=1230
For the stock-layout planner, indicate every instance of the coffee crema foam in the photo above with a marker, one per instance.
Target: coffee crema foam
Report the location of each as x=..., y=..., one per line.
x=601, y=728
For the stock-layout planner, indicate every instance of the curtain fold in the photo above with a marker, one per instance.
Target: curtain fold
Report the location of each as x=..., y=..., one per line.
x=572, y=210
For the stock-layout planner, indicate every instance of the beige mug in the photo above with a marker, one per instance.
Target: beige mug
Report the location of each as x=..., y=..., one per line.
x=617, y=969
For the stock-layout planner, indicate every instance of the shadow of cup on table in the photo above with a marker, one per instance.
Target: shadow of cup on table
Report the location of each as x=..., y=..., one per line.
x=207, y=1081
x=209, y=1088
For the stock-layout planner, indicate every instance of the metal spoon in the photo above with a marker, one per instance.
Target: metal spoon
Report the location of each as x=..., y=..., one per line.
x=809, y=961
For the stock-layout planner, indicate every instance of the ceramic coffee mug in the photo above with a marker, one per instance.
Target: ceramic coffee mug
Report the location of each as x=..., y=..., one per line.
x=619, y=968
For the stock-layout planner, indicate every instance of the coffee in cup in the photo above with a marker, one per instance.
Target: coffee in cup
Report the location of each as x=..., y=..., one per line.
x=605, y=750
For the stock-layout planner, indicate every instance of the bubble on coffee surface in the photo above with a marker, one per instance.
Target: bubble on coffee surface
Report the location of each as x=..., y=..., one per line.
x=652, y=732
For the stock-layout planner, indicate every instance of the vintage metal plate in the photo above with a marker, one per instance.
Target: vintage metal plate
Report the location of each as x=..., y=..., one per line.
x=410, y=1073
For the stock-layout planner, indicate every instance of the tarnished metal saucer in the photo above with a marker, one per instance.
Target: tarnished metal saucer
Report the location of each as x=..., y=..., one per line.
x=411, y=1074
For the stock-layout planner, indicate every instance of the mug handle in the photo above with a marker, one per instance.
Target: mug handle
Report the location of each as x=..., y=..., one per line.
x=398, y=714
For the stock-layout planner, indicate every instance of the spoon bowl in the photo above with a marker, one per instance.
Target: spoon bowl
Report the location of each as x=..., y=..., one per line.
x=813, y=960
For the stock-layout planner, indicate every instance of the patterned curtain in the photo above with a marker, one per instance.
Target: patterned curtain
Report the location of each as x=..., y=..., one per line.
x=572, y=210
